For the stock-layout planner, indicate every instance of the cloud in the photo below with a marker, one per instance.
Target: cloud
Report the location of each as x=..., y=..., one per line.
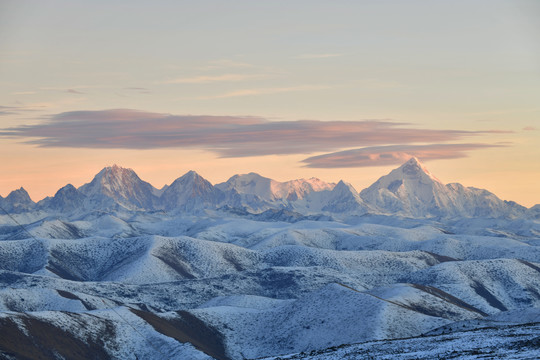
x=73, y=91
x=13, y=110
x=391, y=155
x=264, y=91
x=140, y=90
x=24, y=93
x=529, y=128
x=227, y=63
x=209, y=79
x=233, y=136
x=317, y=56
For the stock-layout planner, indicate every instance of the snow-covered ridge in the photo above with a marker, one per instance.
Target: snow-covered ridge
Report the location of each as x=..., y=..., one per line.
x=410, y=190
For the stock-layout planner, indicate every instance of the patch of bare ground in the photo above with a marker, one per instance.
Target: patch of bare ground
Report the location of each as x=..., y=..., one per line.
x=188, y=328
x=42, y=340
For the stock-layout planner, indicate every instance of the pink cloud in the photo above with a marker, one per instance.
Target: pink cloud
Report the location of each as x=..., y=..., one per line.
x=228, y=136
x=391, y=155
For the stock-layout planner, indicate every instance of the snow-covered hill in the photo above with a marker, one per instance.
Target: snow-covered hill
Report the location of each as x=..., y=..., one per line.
x=251, y=268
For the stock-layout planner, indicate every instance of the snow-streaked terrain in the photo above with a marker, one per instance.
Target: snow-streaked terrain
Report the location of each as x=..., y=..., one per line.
x=252, y=268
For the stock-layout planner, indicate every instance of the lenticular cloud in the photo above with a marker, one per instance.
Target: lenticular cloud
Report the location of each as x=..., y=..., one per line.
x=391, y=155
x=228, y=136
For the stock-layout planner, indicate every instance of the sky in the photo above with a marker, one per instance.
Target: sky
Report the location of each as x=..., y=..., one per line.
x=288, y=89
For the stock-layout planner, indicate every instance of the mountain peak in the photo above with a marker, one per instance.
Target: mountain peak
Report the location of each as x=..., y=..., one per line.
x=191, y=174
x=343, y=187
x=190, y=177
x=18, y=201
x=414, y=168
x=190, y=191
x=414, y=160
x=122, y=185
x=19, y=194
x=116, y=170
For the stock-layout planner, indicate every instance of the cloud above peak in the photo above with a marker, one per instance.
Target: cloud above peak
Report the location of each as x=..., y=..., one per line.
x=391, y=155
x=233, y=136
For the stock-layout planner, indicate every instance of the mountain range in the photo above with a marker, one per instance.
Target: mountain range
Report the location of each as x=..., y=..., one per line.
x=410, y=191
x=254, y=268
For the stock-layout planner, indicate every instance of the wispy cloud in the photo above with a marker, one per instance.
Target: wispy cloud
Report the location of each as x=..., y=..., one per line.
x=12, y=110
x=208, y=79
x=530, y=128
x=318, y=56
x=227, y=63
x=140, y=90
x=264, y=91
x=24, y=93
x=236, y=136
x=391, y=155
x=73, y=91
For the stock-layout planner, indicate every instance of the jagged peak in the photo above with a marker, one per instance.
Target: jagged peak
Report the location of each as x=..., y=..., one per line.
x=19, y=191
x=116, y=170
x=18, y=195
x=116, y=174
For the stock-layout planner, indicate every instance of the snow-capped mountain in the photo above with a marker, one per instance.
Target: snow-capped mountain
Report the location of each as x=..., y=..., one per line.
x=473, y=202
x=117, y=186
x=341, y=199
x=17, y=201
x=411, y=190
x=258, y=193
x=191, y=192
x=67, y=199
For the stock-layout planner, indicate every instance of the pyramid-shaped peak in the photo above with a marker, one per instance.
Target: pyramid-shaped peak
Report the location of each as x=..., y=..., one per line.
x=191, y=175
x=191, y=178
x=414, y=160
x=344, y=186
x=415, y=168
x=121, y=186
